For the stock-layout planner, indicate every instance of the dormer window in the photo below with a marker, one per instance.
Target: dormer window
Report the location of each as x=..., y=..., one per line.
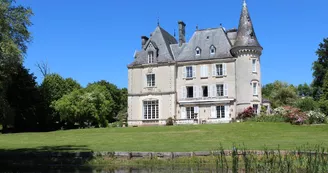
x=212, y=50
x=150, y=57
x=198, y=51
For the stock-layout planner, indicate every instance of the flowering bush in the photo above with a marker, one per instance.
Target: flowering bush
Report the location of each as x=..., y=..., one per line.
x=316, y=117
x=291, y=114
x=247, y=113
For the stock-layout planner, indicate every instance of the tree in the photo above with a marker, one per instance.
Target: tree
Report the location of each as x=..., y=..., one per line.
x=24, y=99
x=304, y=90
x=54, y=87
x=14, y=37
x=320, y=68
x=86, y=107
x=279, y=93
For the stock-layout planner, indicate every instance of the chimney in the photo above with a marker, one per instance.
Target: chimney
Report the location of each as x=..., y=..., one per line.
x=144, y=40
x=182, y=32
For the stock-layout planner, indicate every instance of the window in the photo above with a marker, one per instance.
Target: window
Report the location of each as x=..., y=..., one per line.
x=219, y=70
x=189, y=72
x=205, y=91
x=150, y=57
x=220, y=111
x=255, y=108
x=212, y=50
x=254, y=65
x=190, y=112
x=219, y=90
x=150, y=80
x=150, y=110
x=198, y=51
x=254, y=89
x=190, y=92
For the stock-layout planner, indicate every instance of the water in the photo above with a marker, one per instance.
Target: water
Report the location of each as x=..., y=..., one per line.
x=73, y=169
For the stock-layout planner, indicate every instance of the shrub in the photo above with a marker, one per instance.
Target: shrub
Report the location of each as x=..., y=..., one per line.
x=307, y=104
x=295, y=115
x=316, y=117
x=169, y=121
x=268, y=118
x=246, y=114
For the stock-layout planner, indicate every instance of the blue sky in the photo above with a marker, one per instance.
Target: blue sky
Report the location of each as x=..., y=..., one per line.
x=95, y=40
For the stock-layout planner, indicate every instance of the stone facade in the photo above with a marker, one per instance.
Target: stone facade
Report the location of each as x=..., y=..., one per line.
x=209, y=79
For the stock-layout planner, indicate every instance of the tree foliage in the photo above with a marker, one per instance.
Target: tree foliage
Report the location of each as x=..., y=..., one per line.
x=320, y=68
x=91, y=106
x=280, y=93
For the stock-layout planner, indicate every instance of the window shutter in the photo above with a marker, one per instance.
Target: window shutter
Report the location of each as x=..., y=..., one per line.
x=224, y=69
x=183, y=113
x=184, y=74
x=213, y=69
x=145, y=83
x=194, y=71
x=183, y=92
x=196, y=109
x=205, y=71
x=213, y=112
x=200, y=91
x=195, y=91
x=227, y=111
x=225, y=90
x=214, y=92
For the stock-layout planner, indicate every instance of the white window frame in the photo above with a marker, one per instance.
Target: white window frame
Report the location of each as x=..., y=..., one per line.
x=255, y=88
x=198, y=51
x=220, y=114
x=214, y=50
x=214, y=112
x=189, y=72
x=202, y=91
x=215, y=70
x=193, y=92
x=254, y=66
x=218, y=86
x=151, y=82
x=150, y=109
x=150, y=57
x=190, y=111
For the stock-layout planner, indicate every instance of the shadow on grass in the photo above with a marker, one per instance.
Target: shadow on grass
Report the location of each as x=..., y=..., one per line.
x=66, y=156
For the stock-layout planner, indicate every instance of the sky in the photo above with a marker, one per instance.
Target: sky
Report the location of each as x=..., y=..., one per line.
x=95, y=40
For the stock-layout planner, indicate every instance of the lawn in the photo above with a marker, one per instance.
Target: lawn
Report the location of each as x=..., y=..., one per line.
x=175, y=138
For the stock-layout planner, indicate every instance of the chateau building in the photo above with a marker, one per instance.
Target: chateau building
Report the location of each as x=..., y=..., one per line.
x=209, y=79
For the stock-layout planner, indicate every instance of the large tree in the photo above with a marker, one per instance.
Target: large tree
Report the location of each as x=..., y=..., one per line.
x=320, y=68
x=91, y=106
x=14, y=37
x=54, y=87
x=280, y=93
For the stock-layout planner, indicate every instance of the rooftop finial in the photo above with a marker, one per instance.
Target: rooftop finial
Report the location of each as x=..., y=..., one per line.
x=157, y=21
x=244, y=3
x=197, y=27
x=174, y=33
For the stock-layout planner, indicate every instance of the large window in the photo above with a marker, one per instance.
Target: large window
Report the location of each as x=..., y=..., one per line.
x=254, y=65
x=219, y=69
x=190, y=112
x=150, y=110
x=220, y=111
x=255, y=89
x=205, y=91
x=190, y=92
x=150, y=57
x=150, y=80
x=189, y=72
x=220, y=90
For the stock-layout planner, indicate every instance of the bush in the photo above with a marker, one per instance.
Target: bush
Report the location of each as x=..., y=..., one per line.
x=291, y=114
x=246, y=114
x=169, y=121
x=268, y=118
x=316, y=117
x=307, y=104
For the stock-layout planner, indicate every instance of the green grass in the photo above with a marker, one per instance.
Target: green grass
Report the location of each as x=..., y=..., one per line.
x=176, y=138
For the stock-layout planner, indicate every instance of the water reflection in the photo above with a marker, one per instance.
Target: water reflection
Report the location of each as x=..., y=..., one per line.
x=73, y=169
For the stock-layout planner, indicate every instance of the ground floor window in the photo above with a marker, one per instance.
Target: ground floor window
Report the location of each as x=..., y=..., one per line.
x=190, y=112
x=255, y=108
x=150, y=109
x=220, y=111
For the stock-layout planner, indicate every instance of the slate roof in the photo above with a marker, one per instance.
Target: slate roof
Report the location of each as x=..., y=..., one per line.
x=161, y=40
x=204, y=39
x=246, y=36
